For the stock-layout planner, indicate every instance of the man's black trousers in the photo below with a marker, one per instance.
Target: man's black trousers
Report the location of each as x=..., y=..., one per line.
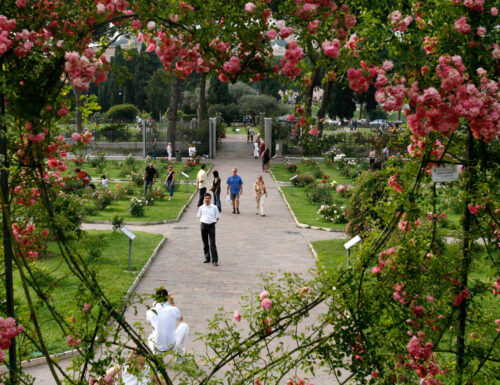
x=208, y=234
x=202, y=195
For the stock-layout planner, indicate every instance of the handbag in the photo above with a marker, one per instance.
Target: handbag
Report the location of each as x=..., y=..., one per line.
x=228, y=199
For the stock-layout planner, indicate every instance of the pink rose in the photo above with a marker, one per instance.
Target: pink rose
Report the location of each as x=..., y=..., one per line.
x=494, y=11
x=266, y=303
x=86, y=308
x=237, y=316
x=264, y=294
x=249, y=7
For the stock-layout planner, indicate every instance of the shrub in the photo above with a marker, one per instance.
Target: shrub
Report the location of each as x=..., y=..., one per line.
x=42, y=275
x=130, y=162
x=149, y=198
x=103, y=199
x=97, y=161
x=317, y=172
x=136, y=207
x=333, y=213
x=303, y=180
x=137, y=178
x=255, y=104
x=319, y=194
x=122, y=113
x=117, y=221
x=292, y=167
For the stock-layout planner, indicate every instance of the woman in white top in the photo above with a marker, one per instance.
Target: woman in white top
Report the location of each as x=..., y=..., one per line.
x=256, y=147
x=260, y=193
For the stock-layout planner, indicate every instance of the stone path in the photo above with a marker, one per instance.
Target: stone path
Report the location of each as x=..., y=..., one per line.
x=247, y=244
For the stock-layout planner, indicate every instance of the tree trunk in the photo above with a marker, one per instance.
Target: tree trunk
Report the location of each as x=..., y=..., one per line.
x=471, y=179
x=7, y=240
x=360, y=116
x=310, y=92
x=322, y=109
x=175, y=99
x=78, y=112
x=202, y=101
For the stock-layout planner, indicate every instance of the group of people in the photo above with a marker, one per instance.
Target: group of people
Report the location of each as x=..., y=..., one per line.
x=209, y=213
x=150, y=176
x=260, y=151
x=169, y=148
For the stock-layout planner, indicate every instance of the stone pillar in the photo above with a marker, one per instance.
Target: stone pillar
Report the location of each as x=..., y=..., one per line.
x=268, y=133
x=218, y=116
x=194, y=124
x=261, y=122
x=212, y=137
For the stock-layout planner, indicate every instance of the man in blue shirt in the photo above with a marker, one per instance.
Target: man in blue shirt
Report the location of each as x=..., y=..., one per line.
x=235, y=187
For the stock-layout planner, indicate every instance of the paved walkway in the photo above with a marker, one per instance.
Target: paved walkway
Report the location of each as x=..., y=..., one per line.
x=247, y=244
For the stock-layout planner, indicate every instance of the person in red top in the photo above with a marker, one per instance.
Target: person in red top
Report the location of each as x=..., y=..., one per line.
x=262, y=147
x=84, y=176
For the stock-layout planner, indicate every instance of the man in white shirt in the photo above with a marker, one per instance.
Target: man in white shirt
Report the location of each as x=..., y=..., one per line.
x=209, y=215
x=201, y=183
x=192, y=151
x=163, y=317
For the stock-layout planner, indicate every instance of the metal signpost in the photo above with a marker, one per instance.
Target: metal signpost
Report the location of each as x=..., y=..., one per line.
x=350, y=244
x=187, y=181
x=291, y=182
x=131, y=236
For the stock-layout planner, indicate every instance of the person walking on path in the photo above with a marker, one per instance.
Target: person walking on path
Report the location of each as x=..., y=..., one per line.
x=266, y=158
x=209, y=216
x=163, y=317
x=251, y=132
x=260, y=193
x=170, y=182
x=235, y=189
x=150, y=175
x=169, y=151
x=201, y=183
x=256, y=147
x=262, y=147
x=216, y=190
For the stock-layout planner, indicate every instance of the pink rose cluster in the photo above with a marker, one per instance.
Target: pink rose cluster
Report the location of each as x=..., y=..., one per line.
x=440, y=110
x=249, y=7
x=84, y=69
x=284, y=30
x=289, y=63
x=359, y=79
x=399, y=23
x=113, y=6
x=8, y=331
x=381, y=262
x=421, y=359
x=25, y=236
x=6, y=27
x=85, y=138
x=331, y=49
x=461, y=25
x=394, y=183
x=475, y=5
x=300, y=381
x=266, y=302
x=73, y=341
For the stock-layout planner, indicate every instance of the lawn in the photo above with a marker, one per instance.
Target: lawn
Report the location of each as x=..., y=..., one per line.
x=242, y=130
x=281, y=173
x=161, y=209
x=332, y=254
x=305, y=211
x=110, y=267
x=113, y=170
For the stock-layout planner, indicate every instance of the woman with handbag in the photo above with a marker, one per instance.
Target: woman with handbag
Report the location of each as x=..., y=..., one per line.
x=216, y=190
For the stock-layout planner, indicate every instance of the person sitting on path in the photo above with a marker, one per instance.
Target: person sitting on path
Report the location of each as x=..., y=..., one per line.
x=260, y=193
x=235, y=189
x=163, y=317
x=170, y=181
x=209, y=216
x=201, y=183
x=216, y=188
x=150, y=175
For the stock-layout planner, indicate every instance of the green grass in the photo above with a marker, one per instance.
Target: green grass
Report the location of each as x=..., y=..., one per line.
x=283, y=175
x=111, y=273
x=305, y=211
x=332, y=254
x=112, y=170
x=243, y=130
x=159, y=211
